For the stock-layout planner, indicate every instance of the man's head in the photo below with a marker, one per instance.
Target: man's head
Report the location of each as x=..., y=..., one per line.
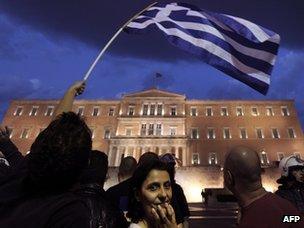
x=126, y=168
x=242, y=170
x=292, y=168
x=59, y=154
x=97, y=169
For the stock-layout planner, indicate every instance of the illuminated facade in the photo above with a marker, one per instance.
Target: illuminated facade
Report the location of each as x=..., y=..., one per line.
x=198, y=132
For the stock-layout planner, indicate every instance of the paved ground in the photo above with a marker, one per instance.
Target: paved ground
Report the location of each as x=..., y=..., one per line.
x=221, y=215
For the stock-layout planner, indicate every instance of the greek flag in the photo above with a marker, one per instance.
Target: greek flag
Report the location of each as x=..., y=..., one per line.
x=238, y=47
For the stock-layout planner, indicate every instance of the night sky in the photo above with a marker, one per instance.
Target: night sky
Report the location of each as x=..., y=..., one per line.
x=46, y=45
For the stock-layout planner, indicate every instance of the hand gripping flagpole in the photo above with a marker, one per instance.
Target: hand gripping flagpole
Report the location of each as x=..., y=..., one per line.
x=112, y=39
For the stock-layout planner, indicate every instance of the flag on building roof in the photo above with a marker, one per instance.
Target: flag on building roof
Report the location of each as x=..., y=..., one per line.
x=237, y=47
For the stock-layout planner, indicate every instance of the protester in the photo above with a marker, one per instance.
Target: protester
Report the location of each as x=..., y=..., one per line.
x=149, y=204
x=179, y=201
x=119, y=194
x=35, y=194
x=292, y=181
x=259, y=208
x=90, y=188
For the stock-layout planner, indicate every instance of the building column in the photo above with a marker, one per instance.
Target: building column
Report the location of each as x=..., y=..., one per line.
x=184, y=156
x=118, y=155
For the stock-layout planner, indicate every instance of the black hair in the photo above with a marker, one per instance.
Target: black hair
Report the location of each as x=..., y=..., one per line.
x=135, y=208
x=127, y=166
x=97, y=169
x=59, y=154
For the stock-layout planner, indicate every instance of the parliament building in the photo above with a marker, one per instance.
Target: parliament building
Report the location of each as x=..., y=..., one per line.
x=198, y=132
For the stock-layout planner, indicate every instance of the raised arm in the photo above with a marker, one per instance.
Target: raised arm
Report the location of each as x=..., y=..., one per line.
x=66, y=103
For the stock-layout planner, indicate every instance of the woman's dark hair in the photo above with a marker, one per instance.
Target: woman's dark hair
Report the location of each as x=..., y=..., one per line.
x=135, y=208
x=59, y=154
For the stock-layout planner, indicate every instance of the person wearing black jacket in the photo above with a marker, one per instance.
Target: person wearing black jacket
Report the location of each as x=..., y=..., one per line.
x=35, y=193
x=90, y=189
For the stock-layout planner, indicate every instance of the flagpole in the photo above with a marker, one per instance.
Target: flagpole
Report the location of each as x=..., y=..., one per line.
x=112, y=39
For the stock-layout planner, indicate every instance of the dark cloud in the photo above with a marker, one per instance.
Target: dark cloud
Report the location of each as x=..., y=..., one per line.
x=95, y=21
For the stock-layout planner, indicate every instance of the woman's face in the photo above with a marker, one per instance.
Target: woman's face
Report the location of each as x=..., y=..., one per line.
x=155, y=190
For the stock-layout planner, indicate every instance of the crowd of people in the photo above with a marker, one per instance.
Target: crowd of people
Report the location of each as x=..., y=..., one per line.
x=60, y=183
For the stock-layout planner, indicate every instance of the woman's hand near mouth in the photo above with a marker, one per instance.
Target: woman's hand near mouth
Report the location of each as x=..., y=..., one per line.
x=164, y=216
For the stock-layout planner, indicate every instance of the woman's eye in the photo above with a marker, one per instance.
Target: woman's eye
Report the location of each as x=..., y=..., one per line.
x=152, y=188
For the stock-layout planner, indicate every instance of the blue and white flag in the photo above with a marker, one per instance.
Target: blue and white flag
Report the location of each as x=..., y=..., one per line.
x=238, y=47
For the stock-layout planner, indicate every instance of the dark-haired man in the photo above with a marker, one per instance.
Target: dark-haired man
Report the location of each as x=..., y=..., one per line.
x=119, y=194
x=90, y=189
x=259, y=208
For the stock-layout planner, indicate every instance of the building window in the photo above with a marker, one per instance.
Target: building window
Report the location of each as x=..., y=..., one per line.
x=254, y=111
x=173, y=111
x=239, y=111
x=212, y=158
x=111, y=111
x=172, y=130
x=291, y=133
x=143, y=129
x=152, y=110
x=159, y=110
x=80, y=110
x=25, y=133
x=145, y=110
x=259, y=133
x=107, y=134
x=131, y=111
x=226, y=133
x=209, y=111
x=243, y=133
x=158, y=129
x=49, y=111
x=34, y=111
x=264, y=158
x=195, y=159
x=275, y=133
x=297, y=154
x=284, y=111
x=151, y=129
x=193, y=111
x=128, y=132
x=95, y=111
x=280, y=156
x=18, y=111
x=210, y=133
x=269, y=111
x=194, y=133
x=224, y=111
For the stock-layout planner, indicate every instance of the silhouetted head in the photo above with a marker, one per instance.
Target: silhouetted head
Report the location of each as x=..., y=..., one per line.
x=242, y=170
x=127, y=167
x=148, y=157
x=169, y=159
x=97, y=169
x=59, y=154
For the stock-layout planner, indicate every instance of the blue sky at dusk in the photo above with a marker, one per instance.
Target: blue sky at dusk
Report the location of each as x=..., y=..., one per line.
x=46, y=45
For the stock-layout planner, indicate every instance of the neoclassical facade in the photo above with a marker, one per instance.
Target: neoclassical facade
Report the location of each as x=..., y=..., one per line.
x=197, y=132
